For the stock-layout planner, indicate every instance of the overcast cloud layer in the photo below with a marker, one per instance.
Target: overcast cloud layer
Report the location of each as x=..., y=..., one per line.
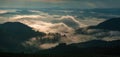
x=60, y=3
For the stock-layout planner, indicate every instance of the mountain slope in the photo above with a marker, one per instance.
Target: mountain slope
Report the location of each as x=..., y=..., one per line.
x=13, y=34
x=111, y=24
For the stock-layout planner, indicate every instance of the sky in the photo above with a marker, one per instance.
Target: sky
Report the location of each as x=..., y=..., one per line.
x=60, y=4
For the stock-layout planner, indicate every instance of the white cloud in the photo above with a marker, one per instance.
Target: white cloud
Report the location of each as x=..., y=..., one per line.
x=7, y=11
x=72, y=19
x=3, y=11
x=17, y=17
x=48, y=45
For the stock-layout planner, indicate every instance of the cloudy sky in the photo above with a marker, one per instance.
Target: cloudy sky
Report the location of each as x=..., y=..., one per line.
x=59, y=3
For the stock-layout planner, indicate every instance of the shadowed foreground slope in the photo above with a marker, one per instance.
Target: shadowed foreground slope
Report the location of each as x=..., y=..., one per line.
x=95, y=48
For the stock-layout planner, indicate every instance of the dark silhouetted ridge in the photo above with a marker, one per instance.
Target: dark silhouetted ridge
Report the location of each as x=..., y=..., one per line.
x=12, y=34
x=90, y=47
x=111, y=24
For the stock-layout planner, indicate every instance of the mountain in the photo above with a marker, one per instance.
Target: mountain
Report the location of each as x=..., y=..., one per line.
x=86, y=49
x=99, y=44
x=110, y=24
x=13, y=34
